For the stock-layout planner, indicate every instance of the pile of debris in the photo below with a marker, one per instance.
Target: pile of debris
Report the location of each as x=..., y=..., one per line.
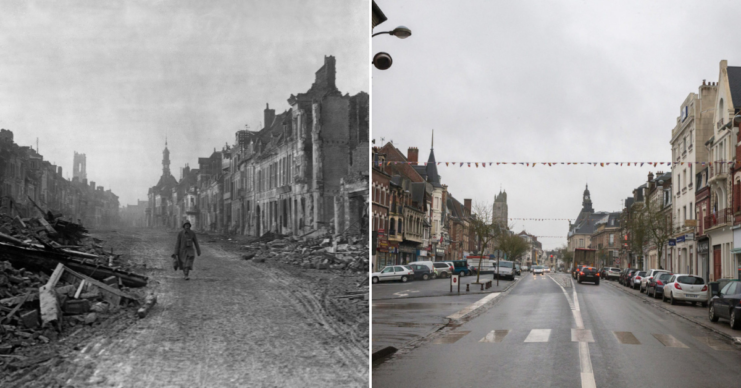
x=36, y=307
x=342, y=253
x=40, y=243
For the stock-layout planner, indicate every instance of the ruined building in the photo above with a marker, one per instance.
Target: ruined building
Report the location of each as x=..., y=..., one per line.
x=306, y=169
x=25, y=174
x=79, y=167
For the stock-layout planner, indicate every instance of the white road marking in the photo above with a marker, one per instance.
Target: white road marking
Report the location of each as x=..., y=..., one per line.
x=405, y=293
x=474, y=306
x=587, y=374
x=538, y=335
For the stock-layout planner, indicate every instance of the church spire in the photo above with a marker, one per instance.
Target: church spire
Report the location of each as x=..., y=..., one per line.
x=166, y=160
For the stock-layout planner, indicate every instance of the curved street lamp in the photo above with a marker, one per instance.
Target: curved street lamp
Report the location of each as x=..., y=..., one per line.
x=383, y=61
x=400, y=32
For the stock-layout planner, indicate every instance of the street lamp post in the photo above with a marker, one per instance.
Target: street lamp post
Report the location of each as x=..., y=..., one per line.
x=382, y=60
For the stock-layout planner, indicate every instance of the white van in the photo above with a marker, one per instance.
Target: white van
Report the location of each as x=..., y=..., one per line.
x=505, y=269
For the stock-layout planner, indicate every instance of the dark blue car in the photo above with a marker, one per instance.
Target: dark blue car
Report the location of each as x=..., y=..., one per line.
x=726, y=304
x=655, y=286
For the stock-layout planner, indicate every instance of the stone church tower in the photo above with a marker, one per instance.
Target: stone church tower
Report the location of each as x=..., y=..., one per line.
x=500, y=212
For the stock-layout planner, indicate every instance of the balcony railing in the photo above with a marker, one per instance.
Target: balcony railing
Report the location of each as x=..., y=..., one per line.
x=720, y=167
x=720, y=218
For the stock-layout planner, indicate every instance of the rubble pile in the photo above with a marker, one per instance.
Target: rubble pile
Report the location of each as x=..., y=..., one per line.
x=81, y=301
x=341, y=253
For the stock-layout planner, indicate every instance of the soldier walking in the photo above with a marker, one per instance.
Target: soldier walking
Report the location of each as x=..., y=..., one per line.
x=186, y=248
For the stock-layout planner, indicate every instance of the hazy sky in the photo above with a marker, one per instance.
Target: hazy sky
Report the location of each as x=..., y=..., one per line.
x=111, y=79
x=546, y=81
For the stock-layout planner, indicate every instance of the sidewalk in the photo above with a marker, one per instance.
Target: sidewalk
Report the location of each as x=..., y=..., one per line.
x=691, y=312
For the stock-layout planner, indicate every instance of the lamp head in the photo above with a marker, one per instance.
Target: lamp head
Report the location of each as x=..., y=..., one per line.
x=401, y=32
x=382, y=61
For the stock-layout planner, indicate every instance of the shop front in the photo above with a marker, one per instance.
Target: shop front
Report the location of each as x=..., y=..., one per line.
x=407, y=253
x=703, y=263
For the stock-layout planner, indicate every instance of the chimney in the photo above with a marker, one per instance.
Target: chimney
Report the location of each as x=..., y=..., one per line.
x=413, y=155
x=650, y=176
x=84, y=181
x=59, y=171
x=269, y=116
x=703, y=82
x=467, y=204
x=92, y=184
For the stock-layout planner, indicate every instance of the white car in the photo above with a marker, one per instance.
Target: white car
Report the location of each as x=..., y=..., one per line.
x=506, y=269
x=612, y=273
x=686, y=287
x=538, y=270
x=392, y=272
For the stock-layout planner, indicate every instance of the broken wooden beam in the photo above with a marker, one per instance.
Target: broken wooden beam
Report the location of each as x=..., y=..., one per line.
x=148, y=303
x=51, y=313
x=22, y=300
x=103, y=287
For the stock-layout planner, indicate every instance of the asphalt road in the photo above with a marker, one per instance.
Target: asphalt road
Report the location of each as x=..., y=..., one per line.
x=537, y=335
x=406, y=312
x=432, y=287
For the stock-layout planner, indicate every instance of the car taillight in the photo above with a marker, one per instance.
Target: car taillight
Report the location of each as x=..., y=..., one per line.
x=451, y=268
x=704, y=288
x=638, y=278
x=658, y=282
x=597, y=273
x=677, y=286
x=581, y=273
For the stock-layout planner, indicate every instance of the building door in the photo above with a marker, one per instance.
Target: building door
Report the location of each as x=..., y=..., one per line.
x=716, y=262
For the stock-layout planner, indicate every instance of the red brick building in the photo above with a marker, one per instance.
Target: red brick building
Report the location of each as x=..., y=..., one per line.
x=380, y=199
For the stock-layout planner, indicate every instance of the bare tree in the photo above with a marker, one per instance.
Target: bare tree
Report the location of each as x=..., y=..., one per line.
x=658, y=225
x=567, y=256
x=638, y=230
x=513, y=245
x=485, y=229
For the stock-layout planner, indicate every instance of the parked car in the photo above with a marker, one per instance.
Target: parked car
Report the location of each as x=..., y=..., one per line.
x=548, y=269
x=588, y=274
x=428, y=263
x=444, y=269
x=518, y=270
x=612, y=273
x=392, y=272
x=649, y=276
x=686, y=287
x=627, y=277
x=635, y=281
x=421, y=272
x=525, y=268
x=655, y=286
x=726, y=304
x=460, y=267
x=538, y=270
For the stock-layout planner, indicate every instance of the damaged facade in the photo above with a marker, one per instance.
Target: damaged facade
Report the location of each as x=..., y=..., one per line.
x=306, y=169
x=24, y=173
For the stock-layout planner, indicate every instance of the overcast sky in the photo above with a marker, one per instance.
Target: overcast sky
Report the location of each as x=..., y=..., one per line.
x=111, y=79
x=546, y=81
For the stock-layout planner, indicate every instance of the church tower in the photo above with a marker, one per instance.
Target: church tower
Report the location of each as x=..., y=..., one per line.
x=166, y=161
x=500, y=212
x=586, y=203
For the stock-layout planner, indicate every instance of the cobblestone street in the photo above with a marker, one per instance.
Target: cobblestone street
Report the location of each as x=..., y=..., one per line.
x=235, y=323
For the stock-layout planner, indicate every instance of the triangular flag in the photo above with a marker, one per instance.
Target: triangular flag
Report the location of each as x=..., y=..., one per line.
x=461, y=164
x=654, y=164
x=446, y=164
x=533, y=164
x=641, y=164
x=602, y=164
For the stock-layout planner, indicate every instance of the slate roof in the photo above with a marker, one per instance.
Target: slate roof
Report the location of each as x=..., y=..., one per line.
x=418, y=193
x=429, y=172
x=734, y=83
x=588, y=224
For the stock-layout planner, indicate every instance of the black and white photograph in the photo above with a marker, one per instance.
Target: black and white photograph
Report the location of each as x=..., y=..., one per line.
x=556, y=193
x=184, y=197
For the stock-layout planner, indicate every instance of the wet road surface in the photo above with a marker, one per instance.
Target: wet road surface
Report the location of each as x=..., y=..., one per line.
x=432, y=287
x=538, y=335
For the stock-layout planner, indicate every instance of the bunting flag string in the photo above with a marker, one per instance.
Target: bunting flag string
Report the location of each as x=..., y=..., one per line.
x=542, y=219
x=551, y=164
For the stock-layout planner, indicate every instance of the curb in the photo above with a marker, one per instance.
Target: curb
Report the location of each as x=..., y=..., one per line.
x=480, y=309
x=703, y=324
x=385, y=352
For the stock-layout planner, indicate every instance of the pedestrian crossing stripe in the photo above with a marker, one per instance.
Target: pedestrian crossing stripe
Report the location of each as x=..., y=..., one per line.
x=585, y=336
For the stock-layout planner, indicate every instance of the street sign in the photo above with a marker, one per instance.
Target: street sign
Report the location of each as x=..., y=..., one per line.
x=680, y=239
x=454, y=282
x=672, y=242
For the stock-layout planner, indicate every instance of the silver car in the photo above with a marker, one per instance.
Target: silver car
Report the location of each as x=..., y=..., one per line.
x=392, y=272
x=650, y=275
